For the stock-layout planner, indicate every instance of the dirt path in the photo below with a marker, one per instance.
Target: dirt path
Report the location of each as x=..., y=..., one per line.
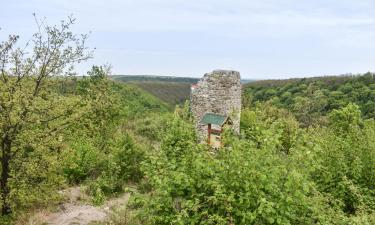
x=77, y=212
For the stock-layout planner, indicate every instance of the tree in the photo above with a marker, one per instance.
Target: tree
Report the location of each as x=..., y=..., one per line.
x=102, y=102
x=346, y=118
x=30, y=109
x=309, y=109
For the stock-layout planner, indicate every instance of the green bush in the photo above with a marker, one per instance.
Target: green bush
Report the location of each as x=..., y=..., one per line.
x=81, y=161
x=120, y=165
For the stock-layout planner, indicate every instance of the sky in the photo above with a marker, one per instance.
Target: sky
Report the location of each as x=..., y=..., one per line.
x=263, y=39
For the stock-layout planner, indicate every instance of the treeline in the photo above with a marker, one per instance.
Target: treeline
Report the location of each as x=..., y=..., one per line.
x=310, y=99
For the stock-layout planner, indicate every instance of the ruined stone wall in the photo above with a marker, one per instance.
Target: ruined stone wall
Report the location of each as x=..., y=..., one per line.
x=217, y=92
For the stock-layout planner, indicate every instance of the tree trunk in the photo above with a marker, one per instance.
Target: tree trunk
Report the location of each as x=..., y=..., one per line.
x=5, y=147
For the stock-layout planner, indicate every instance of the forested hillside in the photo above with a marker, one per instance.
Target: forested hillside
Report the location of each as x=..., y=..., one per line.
x=313, y=98
x=153, y=78
x=173, y=93
x=172, y=90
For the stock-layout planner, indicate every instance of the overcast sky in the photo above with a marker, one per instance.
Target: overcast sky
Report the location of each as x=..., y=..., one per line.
x=261, y=39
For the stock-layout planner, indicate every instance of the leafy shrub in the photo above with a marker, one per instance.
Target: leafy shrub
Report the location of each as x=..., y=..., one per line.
x=151, y=126
x=81, y=161
x=120, y=165
x=35, y=176
x=128, y=157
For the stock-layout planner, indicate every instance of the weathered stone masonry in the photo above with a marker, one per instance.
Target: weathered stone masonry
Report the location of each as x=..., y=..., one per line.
x=217, y=92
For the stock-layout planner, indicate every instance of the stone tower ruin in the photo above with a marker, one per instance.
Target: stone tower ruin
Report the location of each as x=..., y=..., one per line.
x=218, y=92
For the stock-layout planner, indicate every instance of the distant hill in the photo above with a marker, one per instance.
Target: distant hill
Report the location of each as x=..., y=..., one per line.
x=154, y=78
x=246, y=81
x=172, y=90
x=174, y=93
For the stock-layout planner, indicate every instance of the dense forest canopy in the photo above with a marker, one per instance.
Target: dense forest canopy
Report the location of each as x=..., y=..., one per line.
x=313, y=98
x=305, y=153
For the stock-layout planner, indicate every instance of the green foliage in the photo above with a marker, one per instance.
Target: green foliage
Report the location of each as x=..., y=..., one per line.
x=311, y=99
x=137, y=103
x=81, y=161
x=128, y=156
x=33, y=113
x=178, y=140
x=184, y=112
x=117, y=167
x=108, y=156
x=115, y=158
x=345, y=119
x=240, y=185
x=275, y=173
x=35, y=172
x=103, y=103
x=345, y=158
x=75, y=132
x=152, y=126
x=265, y=123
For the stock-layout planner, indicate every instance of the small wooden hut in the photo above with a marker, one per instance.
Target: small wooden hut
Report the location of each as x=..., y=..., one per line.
x=215, y=123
